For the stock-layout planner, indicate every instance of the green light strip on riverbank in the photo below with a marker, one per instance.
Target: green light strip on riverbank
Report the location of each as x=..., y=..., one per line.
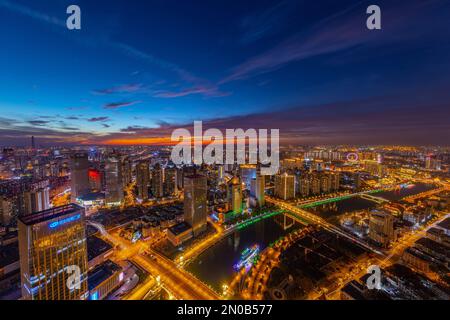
x=265, y=216
x=318, y=203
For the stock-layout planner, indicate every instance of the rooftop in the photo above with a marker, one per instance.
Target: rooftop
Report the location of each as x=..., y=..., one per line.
x=50, y=214
x=101, y=273
x=96, y=247
x=180, y=228
x=9, y=254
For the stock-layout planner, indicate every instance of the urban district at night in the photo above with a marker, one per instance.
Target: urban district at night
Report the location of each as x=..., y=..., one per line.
x=224, y=150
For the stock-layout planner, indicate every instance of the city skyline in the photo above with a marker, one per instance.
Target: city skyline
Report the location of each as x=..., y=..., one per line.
x=136, y=71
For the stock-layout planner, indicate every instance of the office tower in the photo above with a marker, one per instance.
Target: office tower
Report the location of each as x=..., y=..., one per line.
x=260, y=189
x=52, y=247
x=126, y=171
x=95, y=179
x=235, y=195
x=381, y=227
x=33, y=143
x=157, y=181
x=195, y=207
x=79, y=166
x=285, y=186
x=170, y=181
x=180, y=178
x=142, y=179
x=113, y=180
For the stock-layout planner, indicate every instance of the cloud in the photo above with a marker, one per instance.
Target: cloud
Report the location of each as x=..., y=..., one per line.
x=126, y=88
x=32, y=13
x=38, y=122
x=98, y=119
x=121, y=104
x=266, y=22
x=342, y=31
x=105, y=125
x=76, y=108
x=208, y=91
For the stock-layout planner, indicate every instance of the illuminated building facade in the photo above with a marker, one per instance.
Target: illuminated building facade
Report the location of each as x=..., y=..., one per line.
x=235, y=195
x=157, y=181
x=113, y=177
x=381, y=228
x=170, y=181
x=285, y=186
x=195, y=207
x=142, y=179
x=79, y=166
x=51, y=243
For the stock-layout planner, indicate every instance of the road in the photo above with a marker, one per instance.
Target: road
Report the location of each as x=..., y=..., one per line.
x=181, y=283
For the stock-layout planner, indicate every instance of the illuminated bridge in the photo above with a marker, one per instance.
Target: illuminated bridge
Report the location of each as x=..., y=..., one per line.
x=301, y=215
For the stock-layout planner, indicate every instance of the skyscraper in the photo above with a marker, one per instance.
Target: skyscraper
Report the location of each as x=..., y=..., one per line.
x=33, y=143
x=52, y=247
x=126, y=171
x=195, y=206
x=157, y=181
x=170, y=181
x=142, y=179
x=285, y=186
x=79, y=176
x=113, y=176
x=235, y=195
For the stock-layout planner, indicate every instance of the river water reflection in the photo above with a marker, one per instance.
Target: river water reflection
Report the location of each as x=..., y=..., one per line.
x=215, y=265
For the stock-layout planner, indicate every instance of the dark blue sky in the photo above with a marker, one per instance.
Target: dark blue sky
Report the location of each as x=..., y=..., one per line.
x=138, y=69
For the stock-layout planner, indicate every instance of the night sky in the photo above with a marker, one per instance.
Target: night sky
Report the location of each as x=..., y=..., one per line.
x=138, y=69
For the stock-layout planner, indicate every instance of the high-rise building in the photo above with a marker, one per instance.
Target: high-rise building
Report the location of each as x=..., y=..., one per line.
x=195, y=206
x=304, y=185
x=260, y=189
x=335, y=181
x=6, y=210
x=325, y=183
x=235, y=195
x=52, y=247
x=315, y=185
x=285, y=186
x=126, y=171
x=95, y=179
x=381, y=227
x=113, y=176
x=157, y=181
x=79, y=176
x=170, y=181
x=36, y=200
x=33, y=143
x=142, y=179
